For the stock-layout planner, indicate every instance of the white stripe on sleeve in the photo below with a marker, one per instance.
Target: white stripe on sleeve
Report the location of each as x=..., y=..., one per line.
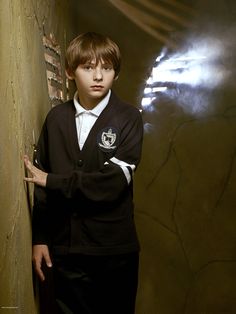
x=124, y=166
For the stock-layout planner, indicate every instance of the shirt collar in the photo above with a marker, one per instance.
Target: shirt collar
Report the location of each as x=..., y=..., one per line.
x=96, y=110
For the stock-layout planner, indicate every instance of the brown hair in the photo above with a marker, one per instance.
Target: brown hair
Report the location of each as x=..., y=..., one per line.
x=88, y=46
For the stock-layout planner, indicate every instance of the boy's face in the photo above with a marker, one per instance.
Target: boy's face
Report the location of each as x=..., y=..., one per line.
x=93, y=82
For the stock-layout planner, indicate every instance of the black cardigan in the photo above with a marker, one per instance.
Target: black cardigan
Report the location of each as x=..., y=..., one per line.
x=87, y=205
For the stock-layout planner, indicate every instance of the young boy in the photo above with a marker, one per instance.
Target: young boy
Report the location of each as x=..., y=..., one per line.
x=88, y=150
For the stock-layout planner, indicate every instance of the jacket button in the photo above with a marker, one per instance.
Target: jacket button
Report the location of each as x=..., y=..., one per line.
x=80, y=163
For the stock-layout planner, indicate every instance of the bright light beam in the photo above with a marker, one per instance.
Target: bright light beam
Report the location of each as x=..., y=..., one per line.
x=198, y=66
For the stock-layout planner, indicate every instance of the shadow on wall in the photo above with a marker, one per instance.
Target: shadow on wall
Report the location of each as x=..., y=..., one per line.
x=185, y=186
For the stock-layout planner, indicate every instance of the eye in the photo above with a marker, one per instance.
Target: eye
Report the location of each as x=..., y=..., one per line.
x=87, y=67
x=107, y=67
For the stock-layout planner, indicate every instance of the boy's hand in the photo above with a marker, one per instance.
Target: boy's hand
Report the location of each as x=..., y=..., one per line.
x=40, y=252
x=38, y=176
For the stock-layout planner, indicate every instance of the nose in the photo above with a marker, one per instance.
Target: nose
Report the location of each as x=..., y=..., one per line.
x=97, y=76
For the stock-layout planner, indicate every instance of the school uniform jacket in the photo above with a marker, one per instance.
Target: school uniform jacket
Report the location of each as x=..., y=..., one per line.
x=87, y=205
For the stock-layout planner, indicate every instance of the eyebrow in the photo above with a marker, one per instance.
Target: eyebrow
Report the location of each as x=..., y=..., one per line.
x=92, y=62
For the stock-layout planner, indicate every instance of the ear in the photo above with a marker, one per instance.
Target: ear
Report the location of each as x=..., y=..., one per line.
x=116, y=78
x=70, y=74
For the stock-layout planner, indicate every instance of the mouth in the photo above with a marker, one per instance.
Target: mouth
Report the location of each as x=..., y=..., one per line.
x=97, y=87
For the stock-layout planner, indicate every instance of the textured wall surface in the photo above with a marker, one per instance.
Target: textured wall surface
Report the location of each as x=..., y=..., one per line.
x=186, y=213
x=186, y=183
x=24, y=104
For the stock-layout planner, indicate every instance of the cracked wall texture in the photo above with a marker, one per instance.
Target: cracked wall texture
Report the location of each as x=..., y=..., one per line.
x=186, y=183
x=185, y=208
x=24, y=104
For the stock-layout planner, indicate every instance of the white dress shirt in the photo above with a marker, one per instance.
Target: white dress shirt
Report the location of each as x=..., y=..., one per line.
x=85, y=119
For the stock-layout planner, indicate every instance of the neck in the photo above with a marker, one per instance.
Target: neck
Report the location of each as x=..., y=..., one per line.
x=89, y=103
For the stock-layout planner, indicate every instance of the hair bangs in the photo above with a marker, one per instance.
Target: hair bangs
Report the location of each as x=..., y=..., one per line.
x=90, y=47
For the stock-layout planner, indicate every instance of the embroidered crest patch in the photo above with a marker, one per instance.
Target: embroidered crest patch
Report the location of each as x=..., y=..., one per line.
x=108, y=139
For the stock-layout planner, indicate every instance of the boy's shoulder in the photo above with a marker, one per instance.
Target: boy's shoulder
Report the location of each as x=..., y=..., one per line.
x=61, y=109
x=122, y=106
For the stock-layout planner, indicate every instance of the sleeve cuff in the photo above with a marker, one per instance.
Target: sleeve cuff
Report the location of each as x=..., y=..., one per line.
x=54, y=181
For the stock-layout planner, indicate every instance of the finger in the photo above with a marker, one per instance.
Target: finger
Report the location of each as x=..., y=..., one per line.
x=30, y=180
x=38, y=270
x=26, y=159
x=48, y=259
x=28, y=164
x=40, y=274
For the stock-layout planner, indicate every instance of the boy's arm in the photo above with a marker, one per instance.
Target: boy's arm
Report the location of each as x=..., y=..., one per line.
x=40, y=213
x=40, y=228
x=109, y=182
